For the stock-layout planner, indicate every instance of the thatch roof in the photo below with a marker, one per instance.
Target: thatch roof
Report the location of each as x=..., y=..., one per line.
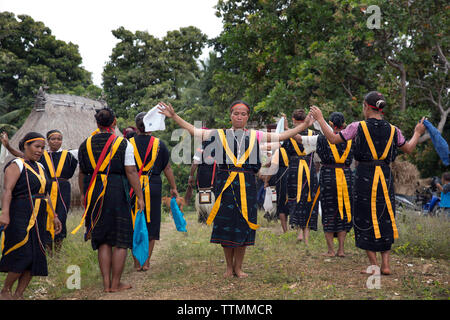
x=72, y=115
x=406, y=177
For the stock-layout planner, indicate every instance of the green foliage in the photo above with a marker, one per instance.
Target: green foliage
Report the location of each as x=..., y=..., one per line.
x=422, y=236
x=144, y=70
x=281, y=55
x=31, y=57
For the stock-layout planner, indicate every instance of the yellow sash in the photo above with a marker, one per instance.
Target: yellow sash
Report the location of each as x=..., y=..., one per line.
x=237, y=163
x=302, y=165
x=36, y=205
x=54, y=188
x=145, y=181
x=103, y=177
x=284, y=156
x=379, y=176
x=313, y=204
x=341, y=182
x=95, y=132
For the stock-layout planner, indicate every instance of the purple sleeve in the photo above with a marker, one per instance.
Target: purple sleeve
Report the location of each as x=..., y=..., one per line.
x=259, y=134
x=350, y=131
x=400, y=138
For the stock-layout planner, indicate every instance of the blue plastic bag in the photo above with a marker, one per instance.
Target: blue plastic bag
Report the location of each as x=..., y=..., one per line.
x=178, y=216
x=440, y=145
x=140, y=238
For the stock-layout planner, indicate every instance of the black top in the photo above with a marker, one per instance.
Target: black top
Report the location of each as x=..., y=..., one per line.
x=204, y=156
x=98, y=142
x=21, y=187
x=326, y=156
x=290, y=150
x=253, y=162
x=380, y=131
x=70, y=164
x=162, y=158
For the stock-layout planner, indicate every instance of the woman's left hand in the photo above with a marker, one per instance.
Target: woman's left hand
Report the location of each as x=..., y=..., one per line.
x=316, y=113
x=174, y=192
x=58, y=225
x=420, y=127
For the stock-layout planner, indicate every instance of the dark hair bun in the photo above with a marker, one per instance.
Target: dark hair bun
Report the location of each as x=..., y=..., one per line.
x=105, y=117
x=338, y=120
x=375, y=99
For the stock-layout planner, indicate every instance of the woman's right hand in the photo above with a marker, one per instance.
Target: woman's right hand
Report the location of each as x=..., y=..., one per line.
x=166, y=110
x=316, y=113
x=4, y=220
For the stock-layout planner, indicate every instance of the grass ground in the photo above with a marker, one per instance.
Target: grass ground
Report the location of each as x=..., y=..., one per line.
x=187, y=266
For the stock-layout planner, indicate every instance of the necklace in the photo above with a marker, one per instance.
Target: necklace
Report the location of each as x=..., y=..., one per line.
x=239, y=143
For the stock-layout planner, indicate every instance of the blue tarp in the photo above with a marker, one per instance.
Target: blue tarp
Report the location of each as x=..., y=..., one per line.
x=440, y=145
x=140, y=238
x=178, y=216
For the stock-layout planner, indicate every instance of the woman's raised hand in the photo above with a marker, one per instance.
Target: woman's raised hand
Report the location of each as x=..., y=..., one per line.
x=4, y=139
x=316, y=113
x=166, y=109
x=420, y=127
x=309, y=119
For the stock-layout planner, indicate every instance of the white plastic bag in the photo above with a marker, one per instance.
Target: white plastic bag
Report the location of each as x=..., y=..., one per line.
x=268, y=200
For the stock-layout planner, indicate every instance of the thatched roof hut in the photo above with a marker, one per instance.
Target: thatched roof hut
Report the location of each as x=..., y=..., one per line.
x=406, y=177
x=72, y=115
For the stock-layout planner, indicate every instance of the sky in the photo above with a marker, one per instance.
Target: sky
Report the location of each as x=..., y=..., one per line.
x=89, y=23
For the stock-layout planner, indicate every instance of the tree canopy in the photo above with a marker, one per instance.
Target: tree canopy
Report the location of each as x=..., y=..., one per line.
x=277, y=55
x=31, y=57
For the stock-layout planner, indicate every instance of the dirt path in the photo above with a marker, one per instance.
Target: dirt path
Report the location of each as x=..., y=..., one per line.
x=305, y=275
x=140, y=280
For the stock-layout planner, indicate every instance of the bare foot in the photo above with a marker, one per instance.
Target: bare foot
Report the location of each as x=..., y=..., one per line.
x=228, y=273
x=241, y=274
x=385, y=271
x=121, y=287
x=145, y=267
x=340, y=254
x=137, y=265
x=328, y=254
x=369, y=270
x=6, y=296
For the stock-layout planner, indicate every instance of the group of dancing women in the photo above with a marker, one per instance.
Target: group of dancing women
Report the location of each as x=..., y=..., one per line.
x=119, y=177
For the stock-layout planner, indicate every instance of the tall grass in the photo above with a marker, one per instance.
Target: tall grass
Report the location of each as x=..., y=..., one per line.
x=422, y=236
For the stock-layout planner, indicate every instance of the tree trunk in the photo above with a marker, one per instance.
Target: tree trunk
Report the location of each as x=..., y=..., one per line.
x=400, y=67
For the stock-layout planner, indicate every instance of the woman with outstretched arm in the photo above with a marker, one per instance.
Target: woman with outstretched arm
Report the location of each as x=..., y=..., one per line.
x=376, y=144
x=235, y=210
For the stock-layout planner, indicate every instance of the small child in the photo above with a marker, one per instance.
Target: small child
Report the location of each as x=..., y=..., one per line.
x=444, y=188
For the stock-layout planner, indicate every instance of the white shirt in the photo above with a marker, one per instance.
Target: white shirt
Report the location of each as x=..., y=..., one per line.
x=20, y=164
x=129, y=154
x=74, y=152
x=309, y=143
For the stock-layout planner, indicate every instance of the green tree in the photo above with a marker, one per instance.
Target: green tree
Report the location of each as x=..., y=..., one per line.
x=282, y=54
x=31, y=57
x=143, y=70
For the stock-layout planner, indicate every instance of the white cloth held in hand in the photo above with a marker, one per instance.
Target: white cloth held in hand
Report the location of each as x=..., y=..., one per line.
x=153, y=120
x=268, y=200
